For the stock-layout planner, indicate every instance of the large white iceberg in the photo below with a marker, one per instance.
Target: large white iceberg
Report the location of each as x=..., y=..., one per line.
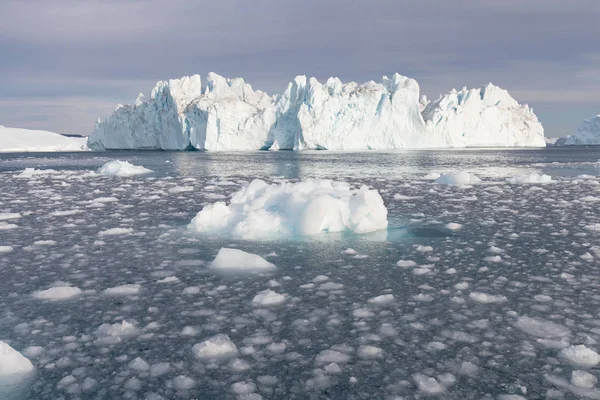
x=227, y=114
x=261, y=210
x=587, y=134
x=27, y=140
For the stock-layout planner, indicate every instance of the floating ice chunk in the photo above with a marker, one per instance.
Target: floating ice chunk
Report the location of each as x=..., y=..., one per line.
x=485, y=298
x=6, y=249
x=529, y=178
x=368, y=351
x=453, y=226
x=217, y=347
x=116, y=231
x=350, y=251
x=12, y=362
x=428, y=385
x=458, y=178
x=382, y=299
x=160, y=369
x=495, y=250
x=241, y=388
x=33, y=351
x=310, y=207
x=57, y=293
x=122, y=168
x=406, y=263
x=511, y=397
x=541, y=328
x=583, y=379
x=331, y=356
x=493, y=259
x=234, y=259
x=432, y=176
x=182, y=382
x=112, y=334
x=580, y=355
x=168, y=279
x=268, y=298
x=424, y=249
x=138, y=364
x=7, y=216
x=123, y=290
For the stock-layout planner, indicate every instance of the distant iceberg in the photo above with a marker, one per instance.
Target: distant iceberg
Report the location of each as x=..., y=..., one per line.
x=27, y=140
x=587, y=134
x=227, y=114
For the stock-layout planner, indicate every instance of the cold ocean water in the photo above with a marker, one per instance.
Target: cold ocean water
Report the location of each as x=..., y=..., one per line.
x=474, y=292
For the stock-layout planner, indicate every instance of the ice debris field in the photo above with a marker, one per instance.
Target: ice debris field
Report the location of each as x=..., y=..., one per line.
x=461, y=275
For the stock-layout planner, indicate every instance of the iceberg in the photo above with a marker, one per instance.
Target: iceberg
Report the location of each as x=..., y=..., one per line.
x=587, y=134
x=228, y=114
x=314, y=206
x=27, y=140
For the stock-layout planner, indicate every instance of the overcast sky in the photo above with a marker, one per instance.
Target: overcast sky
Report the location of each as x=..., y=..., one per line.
x=64, y=63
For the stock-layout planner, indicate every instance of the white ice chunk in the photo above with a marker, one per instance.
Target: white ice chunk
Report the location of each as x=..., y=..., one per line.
x=529, y=178
x=216, y=347
x=268, y=298
x=122, y=168
x=580, y=355
x=458, y=178
x=262, y=210
x=123, y=290
x=57, y=293
x=234, y=259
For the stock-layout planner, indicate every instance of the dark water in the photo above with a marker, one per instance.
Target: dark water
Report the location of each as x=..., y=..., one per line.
x=483, y=312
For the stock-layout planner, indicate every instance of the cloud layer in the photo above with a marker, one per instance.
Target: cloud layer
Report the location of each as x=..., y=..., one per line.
x=67, y=62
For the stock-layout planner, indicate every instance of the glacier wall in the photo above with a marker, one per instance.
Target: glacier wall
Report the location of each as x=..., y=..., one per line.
x=227, y=114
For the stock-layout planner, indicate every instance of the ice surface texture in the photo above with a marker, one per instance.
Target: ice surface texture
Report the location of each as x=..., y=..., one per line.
x=261, y=210
x=26, y=140
x=227, y=114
